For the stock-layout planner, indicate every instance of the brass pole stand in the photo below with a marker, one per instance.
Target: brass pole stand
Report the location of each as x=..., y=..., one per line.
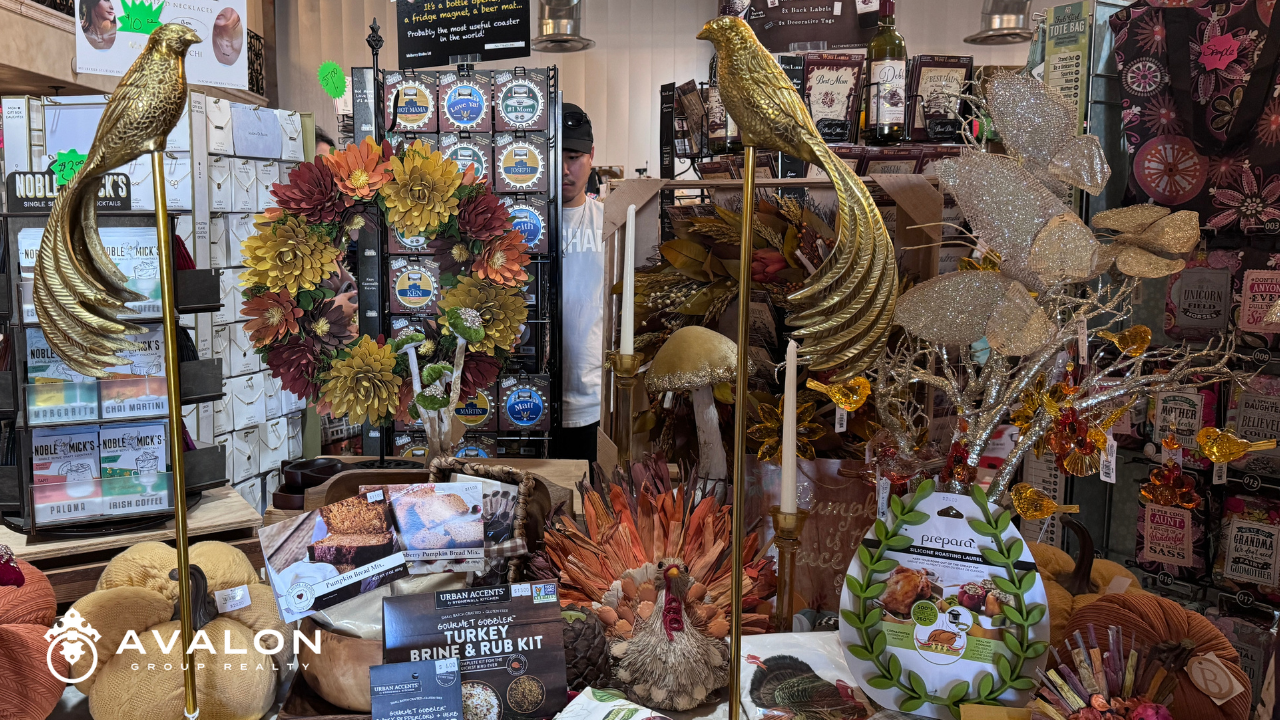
x=625, y=368
x=740, y=428
x=173, y=380
x=786, y=537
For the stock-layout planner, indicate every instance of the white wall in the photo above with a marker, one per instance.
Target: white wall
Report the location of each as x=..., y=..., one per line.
x=640, y=45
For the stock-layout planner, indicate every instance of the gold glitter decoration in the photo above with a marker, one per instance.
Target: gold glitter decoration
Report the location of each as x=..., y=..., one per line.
x=1145, y=230
x=1008, y=208
x=1132, y=342
x=962, y=308
x=1222, y=446
x=769, y=432
x=1065, y=248
x=1038, y=123
x=852, y=293
x=1031, y=503
x=849, y=395
x=692, y=357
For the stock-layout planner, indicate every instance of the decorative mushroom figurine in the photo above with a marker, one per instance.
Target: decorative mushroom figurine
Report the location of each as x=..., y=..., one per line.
x=695, y=359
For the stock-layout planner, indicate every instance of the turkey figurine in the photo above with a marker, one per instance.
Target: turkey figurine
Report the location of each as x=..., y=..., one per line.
x=674, y=628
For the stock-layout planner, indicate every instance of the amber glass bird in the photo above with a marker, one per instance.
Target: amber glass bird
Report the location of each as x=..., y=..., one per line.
x=1223, y=446
x=1132, y=342
x=852, y=294
x=79, y=292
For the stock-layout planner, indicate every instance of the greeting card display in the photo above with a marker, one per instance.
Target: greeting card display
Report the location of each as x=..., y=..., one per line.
x=943, y=605
x=520, y=100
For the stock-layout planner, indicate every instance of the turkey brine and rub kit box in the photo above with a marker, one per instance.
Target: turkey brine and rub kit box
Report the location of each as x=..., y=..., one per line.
x=507, y=640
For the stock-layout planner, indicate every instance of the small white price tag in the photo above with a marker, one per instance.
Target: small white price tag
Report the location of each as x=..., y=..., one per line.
x=1219, y=473
x=233, y=599
x=1117, y=585
x=842, y=420
x=1166, y=455
x=1107, y=470
x=882, y=497
x=836, y=8
x=866, y=6
x=1082, y=340
x=374, y=496
x=773, y=3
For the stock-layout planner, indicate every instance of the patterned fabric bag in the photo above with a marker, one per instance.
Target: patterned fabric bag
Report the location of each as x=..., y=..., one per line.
x=1201, y=108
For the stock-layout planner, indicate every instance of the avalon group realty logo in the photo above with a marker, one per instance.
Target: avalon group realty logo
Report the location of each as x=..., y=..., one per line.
x=73, y=637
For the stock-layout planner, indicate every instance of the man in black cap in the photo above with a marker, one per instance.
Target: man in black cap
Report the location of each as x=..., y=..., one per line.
x=582, y=291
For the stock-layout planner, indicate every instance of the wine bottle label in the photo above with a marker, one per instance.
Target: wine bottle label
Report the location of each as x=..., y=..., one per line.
x=888, y=95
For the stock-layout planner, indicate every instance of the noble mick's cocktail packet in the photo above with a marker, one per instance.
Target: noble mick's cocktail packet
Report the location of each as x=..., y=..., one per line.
x=64, y=465
x=133, y=460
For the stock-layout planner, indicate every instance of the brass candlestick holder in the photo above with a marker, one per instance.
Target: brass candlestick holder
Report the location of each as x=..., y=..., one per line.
x=786, y=537
x=625, y=368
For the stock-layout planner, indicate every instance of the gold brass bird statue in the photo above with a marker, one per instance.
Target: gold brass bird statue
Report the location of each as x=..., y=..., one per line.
x=79, y=292
x=854, y=291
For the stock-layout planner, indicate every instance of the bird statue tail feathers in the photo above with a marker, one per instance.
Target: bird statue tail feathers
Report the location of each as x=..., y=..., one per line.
x=78, y=292
x=852, y=294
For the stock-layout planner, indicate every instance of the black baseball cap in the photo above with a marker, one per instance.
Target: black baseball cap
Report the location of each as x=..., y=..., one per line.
x=577, y=130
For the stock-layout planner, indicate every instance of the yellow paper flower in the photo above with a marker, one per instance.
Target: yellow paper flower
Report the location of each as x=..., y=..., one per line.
x=501, y=309
x=288, y=255
x=769, y=432
x=419, y=195
x=364, y=385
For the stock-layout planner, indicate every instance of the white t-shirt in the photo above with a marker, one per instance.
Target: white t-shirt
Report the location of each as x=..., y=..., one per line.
x=582, y=300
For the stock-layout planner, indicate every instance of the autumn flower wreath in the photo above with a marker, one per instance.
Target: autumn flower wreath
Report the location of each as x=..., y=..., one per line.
x=302, y=302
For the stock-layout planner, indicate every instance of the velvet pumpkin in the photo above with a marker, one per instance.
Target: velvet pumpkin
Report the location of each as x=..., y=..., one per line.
x=143, y=682
x=28, y=691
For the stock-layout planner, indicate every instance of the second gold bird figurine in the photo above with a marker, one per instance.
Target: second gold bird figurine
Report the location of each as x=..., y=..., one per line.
x=79, y=293
x=852, y=294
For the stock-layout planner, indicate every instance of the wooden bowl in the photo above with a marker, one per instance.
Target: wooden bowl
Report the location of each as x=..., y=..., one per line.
x=339, y=673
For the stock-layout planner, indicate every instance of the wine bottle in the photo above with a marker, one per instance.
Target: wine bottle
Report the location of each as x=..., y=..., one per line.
x=887, y=80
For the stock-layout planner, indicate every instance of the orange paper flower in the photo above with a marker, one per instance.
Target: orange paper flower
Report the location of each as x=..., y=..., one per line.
x=502, y=260
x=274, y=316
x=359, y=169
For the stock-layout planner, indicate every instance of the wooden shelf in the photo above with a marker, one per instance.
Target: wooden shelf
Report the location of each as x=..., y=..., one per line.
x=696, y=184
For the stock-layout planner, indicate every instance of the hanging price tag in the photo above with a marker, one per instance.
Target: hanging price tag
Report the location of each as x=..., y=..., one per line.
x=232, y=599
x=882, y=497
x=332, y=80
x=837, y=7
x=67, y=165
x=866, y=6
x=842, y=420
x=1082, y=340
x=1107, y=470
x=1219, y=473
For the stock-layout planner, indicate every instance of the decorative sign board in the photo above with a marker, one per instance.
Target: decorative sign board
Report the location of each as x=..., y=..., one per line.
x=943, y=605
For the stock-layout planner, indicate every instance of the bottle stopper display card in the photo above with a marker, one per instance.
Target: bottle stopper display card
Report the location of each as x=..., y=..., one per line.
x=464, y=101
x=524, y=402
x=507, y=639
x=474, y=445
x=414, y=284
x=529, y=216
x=467, y=150
x=521, y=164
x=478, y=413
x=411, y=101
x=520, y=100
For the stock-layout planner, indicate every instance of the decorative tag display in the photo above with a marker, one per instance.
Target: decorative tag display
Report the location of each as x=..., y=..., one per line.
x=529, y=216
x=474, y=150
x=1180, y=414
x=1201, y=301
x=520, y=163
x=507, y=639
x=520, y=101
x=1254, y=413
x=1250, y=553
x=524, y=403
x=1167, y=536
x=464, y=102
x=943, y=605
x=1261, y=289
x=415, y=285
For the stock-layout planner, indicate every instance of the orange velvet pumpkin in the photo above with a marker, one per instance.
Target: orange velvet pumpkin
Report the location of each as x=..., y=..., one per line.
x=28, y=691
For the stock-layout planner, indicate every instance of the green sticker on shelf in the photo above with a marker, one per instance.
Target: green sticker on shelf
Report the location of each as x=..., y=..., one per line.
x=332, y=80
x=67, y=165
x=141, y=17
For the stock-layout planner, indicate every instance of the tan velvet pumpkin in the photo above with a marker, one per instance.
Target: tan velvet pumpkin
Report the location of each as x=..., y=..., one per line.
x=135, y=594
x=1071, y=586
x=28, y=691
